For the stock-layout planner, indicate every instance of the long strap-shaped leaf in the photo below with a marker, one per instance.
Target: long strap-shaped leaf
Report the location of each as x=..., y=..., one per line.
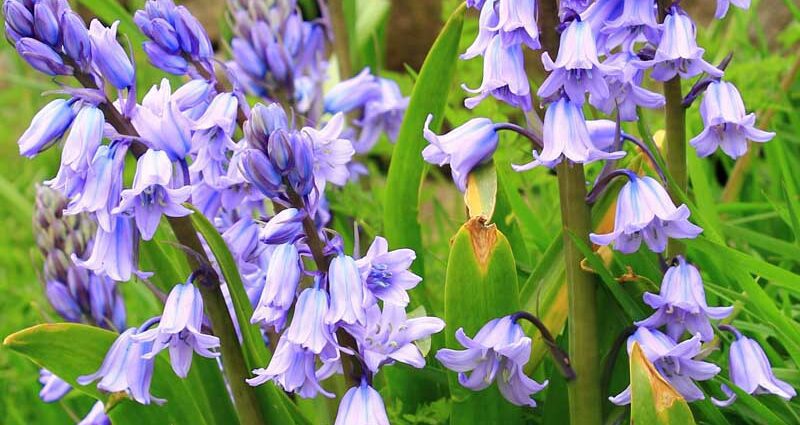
x=653, y=400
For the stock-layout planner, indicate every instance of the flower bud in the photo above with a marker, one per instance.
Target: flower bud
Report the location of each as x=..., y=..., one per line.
x=164, y=60
x=259, y=171
x=45, y=24
x=279, y=151
x=247, y=59
x=60, y=298
x=301, y=176
x=42, y=57
x=164, y=34
x=283, y=227
x=48, y=125
x=264, y=120
x=18, y=18
x=193, y=38
x=75, y=38
x=109, y=56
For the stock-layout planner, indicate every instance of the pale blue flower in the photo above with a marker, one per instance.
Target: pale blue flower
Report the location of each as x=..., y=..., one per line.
x=361, y=405
x=47, y=126
x=386, y=273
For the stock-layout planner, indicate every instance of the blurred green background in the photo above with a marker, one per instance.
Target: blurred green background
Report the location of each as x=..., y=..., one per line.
x=765, y=42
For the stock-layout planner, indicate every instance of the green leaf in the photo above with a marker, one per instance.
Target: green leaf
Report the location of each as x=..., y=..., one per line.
x=275, y=404
x=480, y=285
x=481, y=194
x=401, y=209
x=653, y=400
x=70, y=350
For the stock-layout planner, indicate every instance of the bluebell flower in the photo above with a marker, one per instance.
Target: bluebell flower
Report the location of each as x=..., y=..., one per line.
x=160, y=122
x=264, y=120
x=212, y=140
x=96, y=416
x=18, y=19
x=645, y=211
x=625, y=89
x=487, y=22
x=309, y=328
x=464, y=147
x=601, y=12
x=516, y=22
x=499, y=352
x=259, y=171
x=103, y=184
x=723, y=5
x=180, y=330
x=281, y=281
x=242, y=239
x=283, y=227
x=347, y=291
x=572, y=6
x=42, y=57
x=576, y=69
x=83, y=139
x=678, y=53
x=45, y=22
x=294, y=369
x=386, y=273
x=674, y=362
x=566, y=133
x=53, y=387
x=108, y=55
x=112, y=251
x=383, y=115
x=59, y=296
x=727, y=124
x=272, y=52
x=751, y=371
x=681, y=304
x=387, y=336
x=361, y=405
x=153, y=193
x=637, y=22
x=47, y=126
x=504, y=76
x=173, y=32
x=125, y=369
x=352, y=93
x=331, y=152
x=105, y=305
x=75, y=37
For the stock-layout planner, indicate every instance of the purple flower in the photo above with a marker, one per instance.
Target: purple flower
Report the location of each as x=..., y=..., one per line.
x=173, y=32
x=504, y=76
x=212, y=139
x=53, y=387
x=47, y=126
x=62, y=301
x=283, y=227
x=382, y=115
x=388, y=336
x=517, y=22
x=19, y=20
x=486, y=30
x=331, y=152
x=309, y=328
x=674, y=362
x=294, y=369
x=161, y=122
x=353, y=93
x=282, y=278
x=75, y=37
x=96, y=416
x=637, y=22
x=727, y=125
x=386, y=273
x=83, y=139
x=109, y=56
x=45, y=23
x=625, y=90
x=42, y=57
x=464, y=148
x=723, y=5
x=681, y=305
x=153, y=194
x=347, y=291
x=645, y=211
x=180, y=330
x=499, y=350
x=242, y=239
x=112, y=251
x=101, y=190
x=576, y=69
x=361, y=405
x=751, y=371
x=125, y=369
x=566, y=133
x=677, y=53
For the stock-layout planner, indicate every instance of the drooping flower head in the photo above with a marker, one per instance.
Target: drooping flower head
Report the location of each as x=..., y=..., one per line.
x=180, y=330
x=464, y=148
x=347, y=291
x=674, y=362
x=294, y=369
x=636, y=22
x=645, y=212
x=625, y=91
x=282, y=278
x=681, y=304
x=751, y=370
x=47, y=126
x=727, y=125
x=723, y=5
x=504, y=76
x=362, y=405
x=499, y=351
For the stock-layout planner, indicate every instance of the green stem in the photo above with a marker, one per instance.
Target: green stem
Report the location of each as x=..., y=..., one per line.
x=340, y=37
x=585, y=397
x=244, y=397
x=675, y=142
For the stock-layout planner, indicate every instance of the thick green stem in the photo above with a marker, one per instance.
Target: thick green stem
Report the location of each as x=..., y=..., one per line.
x=585, y=397
x=675, y=142
x=236, y=372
